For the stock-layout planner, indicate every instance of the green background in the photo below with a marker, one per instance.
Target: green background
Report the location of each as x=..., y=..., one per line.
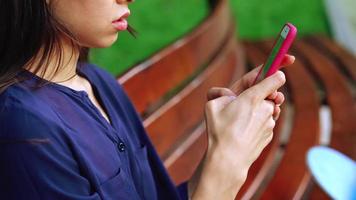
x=161, y=22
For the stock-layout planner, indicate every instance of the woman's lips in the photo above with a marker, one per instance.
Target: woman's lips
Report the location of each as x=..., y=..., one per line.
x=120, y=24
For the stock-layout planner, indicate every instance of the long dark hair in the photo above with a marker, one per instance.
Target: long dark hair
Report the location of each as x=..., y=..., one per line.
x=27, y=28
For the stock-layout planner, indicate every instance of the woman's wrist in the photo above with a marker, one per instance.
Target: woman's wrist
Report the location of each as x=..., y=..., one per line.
x=217, y=176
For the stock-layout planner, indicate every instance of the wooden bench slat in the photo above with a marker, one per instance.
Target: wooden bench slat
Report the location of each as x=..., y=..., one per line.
x=339, y=98
x=292, y=176
x=182, y=166
x=335, y=51
x=147, y=82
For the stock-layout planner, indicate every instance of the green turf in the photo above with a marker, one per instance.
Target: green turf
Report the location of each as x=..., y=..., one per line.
x=264, y=18
x=160, y=22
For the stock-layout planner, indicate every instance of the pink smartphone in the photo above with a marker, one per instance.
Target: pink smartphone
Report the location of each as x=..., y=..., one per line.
x=280, y=48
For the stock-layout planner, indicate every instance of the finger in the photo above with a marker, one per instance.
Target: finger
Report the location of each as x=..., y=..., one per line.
x=287, y=60
x=266, y=87
x=219, y=103
x=246, y=81
x=217, y=92
x=249, y=79
x=276, y=113
x=272, y=96
x=277, y=97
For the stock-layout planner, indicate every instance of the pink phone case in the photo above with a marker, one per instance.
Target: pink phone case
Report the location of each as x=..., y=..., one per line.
x=281, y=53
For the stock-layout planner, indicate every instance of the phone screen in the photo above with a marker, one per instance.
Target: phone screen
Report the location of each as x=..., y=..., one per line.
x=276, y=48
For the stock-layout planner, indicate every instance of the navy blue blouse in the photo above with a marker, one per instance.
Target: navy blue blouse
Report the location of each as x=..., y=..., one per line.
x=55, y=144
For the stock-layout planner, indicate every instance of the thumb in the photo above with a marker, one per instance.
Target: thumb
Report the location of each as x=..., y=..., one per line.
x=216, y=92
x=268, y=85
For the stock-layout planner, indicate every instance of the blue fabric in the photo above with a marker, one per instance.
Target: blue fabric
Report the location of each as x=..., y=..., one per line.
x=55, y=144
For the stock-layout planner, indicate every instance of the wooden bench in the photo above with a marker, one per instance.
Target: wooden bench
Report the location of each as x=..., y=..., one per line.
x=169, y=91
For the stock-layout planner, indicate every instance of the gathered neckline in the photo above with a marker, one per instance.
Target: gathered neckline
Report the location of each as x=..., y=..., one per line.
x=80, y=71
x=80, y=93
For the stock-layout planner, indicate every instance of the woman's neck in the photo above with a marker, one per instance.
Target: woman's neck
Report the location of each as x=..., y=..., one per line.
x=66, y=69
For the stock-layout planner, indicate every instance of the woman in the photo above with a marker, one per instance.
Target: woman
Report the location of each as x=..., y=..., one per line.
x=68, y=130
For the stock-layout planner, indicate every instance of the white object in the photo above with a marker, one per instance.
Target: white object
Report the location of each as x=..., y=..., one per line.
x=333, y=171
x=342, y=17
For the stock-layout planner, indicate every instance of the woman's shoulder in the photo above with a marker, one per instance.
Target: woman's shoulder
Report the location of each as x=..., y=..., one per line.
x=21, y=109
x=20, y=96
x=21, y=124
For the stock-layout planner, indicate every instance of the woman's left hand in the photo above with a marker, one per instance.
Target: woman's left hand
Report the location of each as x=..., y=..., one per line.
x=247, y=81
x=276, y=97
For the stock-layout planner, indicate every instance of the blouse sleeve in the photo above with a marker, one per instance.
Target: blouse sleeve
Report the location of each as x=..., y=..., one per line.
x=183, y=190
x=35, y=162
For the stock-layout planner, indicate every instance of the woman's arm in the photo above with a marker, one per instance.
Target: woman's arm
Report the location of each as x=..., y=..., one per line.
x=239, y=124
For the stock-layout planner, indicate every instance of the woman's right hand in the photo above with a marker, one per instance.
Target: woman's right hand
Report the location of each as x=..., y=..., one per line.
x=239, y=127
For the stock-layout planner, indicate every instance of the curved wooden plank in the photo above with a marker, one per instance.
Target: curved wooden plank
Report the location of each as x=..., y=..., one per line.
x=332, y=50
x=339, y=98
x=292, y=176
x=182, y=163
x=169, y=67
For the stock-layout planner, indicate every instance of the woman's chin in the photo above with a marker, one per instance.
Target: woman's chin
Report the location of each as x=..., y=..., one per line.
x=103, y=42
